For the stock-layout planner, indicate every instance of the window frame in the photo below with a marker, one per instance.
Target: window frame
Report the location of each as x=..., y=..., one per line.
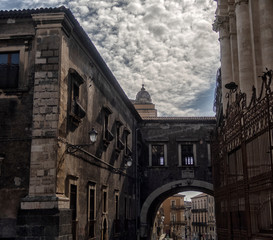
x=23, y=62
x=180, y=158
x=165, y=163
x=104, y=200
x=91, y=186
x=117, y=229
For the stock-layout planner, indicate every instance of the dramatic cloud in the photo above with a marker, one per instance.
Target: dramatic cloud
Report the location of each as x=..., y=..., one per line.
x=168, y=45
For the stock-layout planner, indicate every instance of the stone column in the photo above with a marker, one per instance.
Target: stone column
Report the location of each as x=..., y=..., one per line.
x=222, y=25
x=233, y=45
x=245, y=54
x=266, y=32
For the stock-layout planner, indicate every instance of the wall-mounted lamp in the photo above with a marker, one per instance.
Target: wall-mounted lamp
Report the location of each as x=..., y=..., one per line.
x=129, y=162
x=93, y=135
x=71, y=148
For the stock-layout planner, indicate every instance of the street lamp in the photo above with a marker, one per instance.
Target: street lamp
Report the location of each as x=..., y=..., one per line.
x=129, y=162
x=71, y=148
x=93, y=135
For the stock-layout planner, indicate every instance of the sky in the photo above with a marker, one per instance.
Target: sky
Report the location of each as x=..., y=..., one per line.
x=168, y=45
x=189, y=195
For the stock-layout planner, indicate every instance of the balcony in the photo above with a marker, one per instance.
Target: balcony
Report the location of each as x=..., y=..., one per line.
x=175, y=223
x=204, y=224
x=177, y=207
x=197, y=210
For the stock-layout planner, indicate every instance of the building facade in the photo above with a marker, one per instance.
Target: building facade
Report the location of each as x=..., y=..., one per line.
x=203, y=217
x=174, y=212
x=56, y=182
x=242, y=153
x=55, y=88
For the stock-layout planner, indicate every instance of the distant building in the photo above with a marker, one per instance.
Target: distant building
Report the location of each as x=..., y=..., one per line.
x=143, y=104
x=174, y=212
x=203, y=217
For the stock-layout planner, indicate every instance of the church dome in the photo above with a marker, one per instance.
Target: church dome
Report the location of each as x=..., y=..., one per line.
x=143, y=96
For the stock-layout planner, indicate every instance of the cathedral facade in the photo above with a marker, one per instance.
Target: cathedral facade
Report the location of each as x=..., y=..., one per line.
x=242, y=153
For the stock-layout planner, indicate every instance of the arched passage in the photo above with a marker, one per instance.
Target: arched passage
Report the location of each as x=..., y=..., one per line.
x=153, y=201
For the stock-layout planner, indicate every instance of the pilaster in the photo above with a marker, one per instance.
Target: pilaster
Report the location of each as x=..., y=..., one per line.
x=266, y=32
x=245, y=54
x=221, y=24
x=43, y=213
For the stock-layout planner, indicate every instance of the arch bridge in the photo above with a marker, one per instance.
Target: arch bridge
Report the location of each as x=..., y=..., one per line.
x=175, y=157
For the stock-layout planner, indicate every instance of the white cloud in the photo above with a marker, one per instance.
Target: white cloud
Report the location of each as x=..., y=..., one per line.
x=168, y=44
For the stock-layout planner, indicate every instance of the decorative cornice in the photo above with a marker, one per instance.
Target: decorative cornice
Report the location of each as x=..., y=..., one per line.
x=220, y=22
x=47, y=20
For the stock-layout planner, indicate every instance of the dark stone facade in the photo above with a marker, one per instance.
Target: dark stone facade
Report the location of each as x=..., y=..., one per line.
x=164, y=179
x=44, y=224
x=55, y=183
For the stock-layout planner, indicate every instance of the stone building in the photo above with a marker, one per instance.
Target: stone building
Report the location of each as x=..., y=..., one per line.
x=175, y=157
x=242, y=151
x=203, y=217
x=55, y=181
x=174, y=212
x=54, y=89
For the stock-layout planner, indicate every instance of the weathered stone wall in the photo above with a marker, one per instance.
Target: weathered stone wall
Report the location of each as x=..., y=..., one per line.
x=96, y=93
x=15, y=126
x=161, y=182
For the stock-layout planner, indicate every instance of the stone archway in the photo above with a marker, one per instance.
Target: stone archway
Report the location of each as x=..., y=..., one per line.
x=152, y=202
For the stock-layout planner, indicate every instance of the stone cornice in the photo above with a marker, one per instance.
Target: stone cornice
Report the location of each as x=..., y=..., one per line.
x=53, y=20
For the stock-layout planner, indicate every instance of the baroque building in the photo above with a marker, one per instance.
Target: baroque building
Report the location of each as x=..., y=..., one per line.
x=242, y=151
x=174, y=212
x=78, y=159
x=203, y=217
x=55, y=88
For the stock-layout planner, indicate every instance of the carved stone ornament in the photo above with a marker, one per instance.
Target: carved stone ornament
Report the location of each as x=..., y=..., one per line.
x=220, y=22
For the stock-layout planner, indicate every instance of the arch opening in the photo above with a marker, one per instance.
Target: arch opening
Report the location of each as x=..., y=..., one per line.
x=154, y=200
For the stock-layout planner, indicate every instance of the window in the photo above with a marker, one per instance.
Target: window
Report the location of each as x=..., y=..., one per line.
x=116, y=206
x=128, y=151
x=173, y=203
x=158, y=155
x=73, y=207
x=119, y=143
x=116, y=221
x=187, y=155
x=173, y=217
x=92, y=209
x=77, y=111
x=9, y=69
x=104, y=200
x=108, y=136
